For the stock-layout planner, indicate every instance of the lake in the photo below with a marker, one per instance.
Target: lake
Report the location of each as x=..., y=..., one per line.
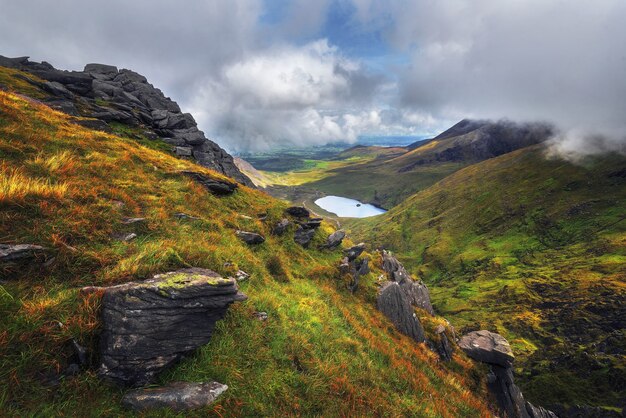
x=347, y=208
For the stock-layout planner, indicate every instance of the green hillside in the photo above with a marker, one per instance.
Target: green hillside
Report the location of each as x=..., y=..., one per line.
x=322, y=351
x=534, y=248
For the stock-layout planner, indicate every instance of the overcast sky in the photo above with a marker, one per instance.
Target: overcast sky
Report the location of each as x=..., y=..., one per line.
x=258, y=74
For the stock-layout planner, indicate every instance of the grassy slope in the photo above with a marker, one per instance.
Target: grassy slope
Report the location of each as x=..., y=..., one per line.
x=322, y=351
x=379, y=181
x=536, y=249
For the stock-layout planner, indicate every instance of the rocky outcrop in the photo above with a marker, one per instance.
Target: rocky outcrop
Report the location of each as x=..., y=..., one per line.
x=21, y=253
x=250, y=238
x=148, y=326
x=443, y=347
x=107, y=94
x=415, y=290
x=177, y=396
x=394, y=304
x=493, y=349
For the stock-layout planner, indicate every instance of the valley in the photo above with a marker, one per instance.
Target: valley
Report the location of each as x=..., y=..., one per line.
x=511, y=239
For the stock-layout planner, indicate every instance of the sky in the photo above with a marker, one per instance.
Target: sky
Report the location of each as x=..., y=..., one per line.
x=260, y=74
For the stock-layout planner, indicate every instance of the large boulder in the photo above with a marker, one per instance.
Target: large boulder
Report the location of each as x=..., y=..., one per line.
x=148, y=326
x=177, y=396
x=394, y=304
x=487, y=347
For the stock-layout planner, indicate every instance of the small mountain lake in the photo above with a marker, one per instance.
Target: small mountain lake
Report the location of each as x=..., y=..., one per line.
x=348, y=208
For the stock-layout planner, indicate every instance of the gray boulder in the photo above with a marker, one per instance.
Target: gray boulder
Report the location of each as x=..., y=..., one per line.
x=177, y=396
x=100, y=69
x=21, y=252
x=215, y=186
x=298, y=212
x=281, y=227
x=394, y=304
x=354, y=252
x=148, y=326
x=250, y=238
x=304, y=236
x=487, y=347
x=334, y=240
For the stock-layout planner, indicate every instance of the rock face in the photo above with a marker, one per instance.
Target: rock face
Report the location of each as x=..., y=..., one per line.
x=394, y=304
x=20, y=252
x=149, y=325
x=178, y=396
x=110, y=95
x=487, y=347
x=493, y=349
x=416, y=290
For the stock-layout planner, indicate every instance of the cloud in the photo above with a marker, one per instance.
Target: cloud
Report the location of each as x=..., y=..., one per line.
x=259, y=73
x=306, y=95
x=560, y=61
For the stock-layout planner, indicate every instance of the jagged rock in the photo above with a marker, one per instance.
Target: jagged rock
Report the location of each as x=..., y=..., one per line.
x=181, y=216
x=487, y=347
x=358, y=268
x=584, y=411
x=354, y=252
x=177, y=396
x=21, y=252
x=281, y=227
x=261, y=316
x=183, y=151
x=298, y=212
x=539, y=412
x=241, y=276
x=130, y=221
x=250, y=238
x=394, y=304
x=147, y=326
x=215, y=186
x=304, y=236
x=335, y=239
x=444, y=348
x=125, y=237
x=95, y=124
x=100, y=68
x=344, y=266
x=56, y=89
x=416, y=290
x=313, y=223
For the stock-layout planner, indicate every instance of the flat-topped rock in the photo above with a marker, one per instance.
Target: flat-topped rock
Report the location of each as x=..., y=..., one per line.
x=219, y=187
x=178, y=396
x=250, y=238
x=20, y=252
x=298, y=211
x=148, y=326
x=100, y=68
x=487, y=347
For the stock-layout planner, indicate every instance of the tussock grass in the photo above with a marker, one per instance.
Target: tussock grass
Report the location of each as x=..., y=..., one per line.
x=16, y=187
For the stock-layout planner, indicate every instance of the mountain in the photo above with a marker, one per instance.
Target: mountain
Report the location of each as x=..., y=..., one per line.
x=86, y=216
x=386, y=182
x=123, y=98
x=534, y=248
